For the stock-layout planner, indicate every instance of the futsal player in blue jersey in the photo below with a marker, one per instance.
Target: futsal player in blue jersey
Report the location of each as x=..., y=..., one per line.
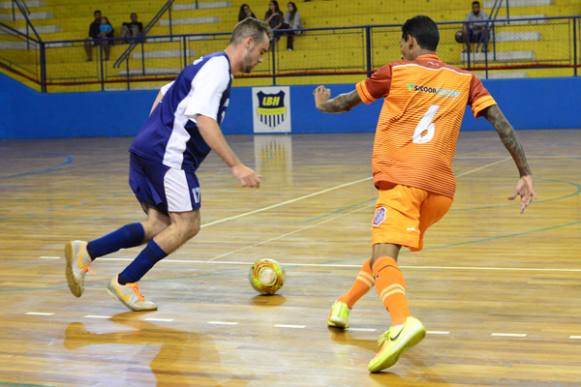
x=184, y=125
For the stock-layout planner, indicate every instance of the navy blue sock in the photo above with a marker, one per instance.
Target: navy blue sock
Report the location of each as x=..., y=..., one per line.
x=130, y=235
x=141, y=265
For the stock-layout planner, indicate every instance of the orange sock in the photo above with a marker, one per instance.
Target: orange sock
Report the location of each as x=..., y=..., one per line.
x=361, y=286
x=390, y=286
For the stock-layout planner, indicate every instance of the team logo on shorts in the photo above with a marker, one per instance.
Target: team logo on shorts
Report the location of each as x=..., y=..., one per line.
x=379, y=217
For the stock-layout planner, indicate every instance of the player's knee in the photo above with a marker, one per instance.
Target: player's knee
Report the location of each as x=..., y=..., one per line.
x=158, y=226
x=188, y=230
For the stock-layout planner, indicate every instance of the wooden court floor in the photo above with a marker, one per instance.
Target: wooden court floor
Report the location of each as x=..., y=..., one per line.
x=499, y=292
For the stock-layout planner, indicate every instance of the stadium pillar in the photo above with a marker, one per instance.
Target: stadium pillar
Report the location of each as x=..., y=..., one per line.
x=368, y=50
x=575, y=22
x=274, y=61
x=42, y=67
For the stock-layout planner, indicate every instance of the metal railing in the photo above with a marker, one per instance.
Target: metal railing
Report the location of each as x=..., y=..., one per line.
x=31, y=43
x=342, y=52
x=135, y=41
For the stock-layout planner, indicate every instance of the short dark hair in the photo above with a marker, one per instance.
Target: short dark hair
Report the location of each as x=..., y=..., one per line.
x=250, y=27
x=96, y=12
x=424, y=30
x=476, y=3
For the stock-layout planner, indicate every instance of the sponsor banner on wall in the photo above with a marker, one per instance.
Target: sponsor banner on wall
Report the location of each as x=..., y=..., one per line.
x=271, y=109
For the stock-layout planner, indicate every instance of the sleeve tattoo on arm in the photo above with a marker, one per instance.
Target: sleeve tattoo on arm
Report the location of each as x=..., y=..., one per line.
x=508, y=137
x=341, y=103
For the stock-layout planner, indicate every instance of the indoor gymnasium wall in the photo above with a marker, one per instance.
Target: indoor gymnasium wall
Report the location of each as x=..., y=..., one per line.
x=529, y=104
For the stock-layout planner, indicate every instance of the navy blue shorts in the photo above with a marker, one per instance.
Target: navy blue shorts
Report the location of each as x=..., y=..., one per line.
x=165, y=188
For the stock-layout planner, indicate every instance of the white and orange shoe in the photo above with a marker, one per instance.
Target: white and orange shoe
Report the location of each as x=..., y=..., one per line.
x=130, y=296
x=78, y=264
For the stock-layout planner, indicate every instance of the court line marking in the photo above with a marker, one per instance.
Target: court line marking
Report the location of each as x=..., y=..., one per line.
x=350, y=266
x=443, y=333
x=480, y=168
x=298, y=230
x=68, y=160
x=39, y=314
x=281, y=204
x=49, y=257
x=284, y=203
x=222, y=322
x=97, y=316
x=292, y=326
x=361, y=330
x=500, y=334
x=324, y=191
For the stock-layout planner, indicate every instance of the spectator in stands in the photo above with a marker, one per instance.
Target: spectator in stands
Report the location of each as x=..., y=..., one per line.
x=476, y=27
x=133, y=30
x=275, y=19
x=106, y=35
x=93, y=35
x=292, y=18
x=245, y=12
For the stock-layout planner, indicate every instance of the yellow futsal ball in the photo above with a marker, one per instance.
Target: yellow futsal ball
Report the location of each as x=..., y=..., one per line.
x=266, y=276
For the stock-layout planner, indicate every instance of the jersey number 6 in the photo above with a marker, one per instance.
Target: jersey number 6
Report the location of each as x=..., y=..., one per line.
x=426, y=129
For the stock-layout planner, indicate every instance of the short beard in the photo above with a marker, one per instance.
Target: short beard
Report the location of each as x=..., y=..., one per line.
x=246, y=67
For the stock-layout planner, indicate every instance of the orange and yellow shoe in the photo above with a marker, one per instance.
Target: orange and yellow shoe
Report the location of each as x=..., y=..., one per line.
x=78, y=262
x=395, y=341
x=130, y=296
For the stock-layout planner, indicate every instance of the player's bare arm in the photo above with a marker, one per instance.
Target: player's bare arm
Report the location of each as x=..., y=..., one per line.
x=212, y=134
x=157, y=101
x=524, y=187
x=341, y=103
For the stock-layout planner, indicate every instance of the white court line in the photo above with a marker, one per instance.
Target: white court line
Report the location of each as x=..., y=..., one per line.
x=222, y=323
x=286, y=202
x=348, y=266
x=477, y=169
x=500, y=334
x=324, y=191
x=154, y=319
x=97, y=316
x=443, y=333
x=465, y=173
x=49, y=257
x=291, y=326
x=39, y=314
x=575, y=337
x=300, y=229
x=361, y=329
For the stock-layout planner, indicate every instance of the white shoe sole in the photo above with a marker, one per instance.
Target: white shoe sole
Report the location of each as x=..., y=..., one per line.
x=74, y=286
x=115, y=296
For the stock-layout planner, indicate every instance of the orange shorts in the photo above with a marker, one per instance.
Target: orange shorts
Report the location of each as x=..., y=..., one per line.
x=403, y=214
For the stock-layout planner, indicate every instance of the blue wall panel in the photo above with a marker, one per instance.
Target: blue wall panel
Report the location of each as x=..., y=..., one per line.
x=528, y=103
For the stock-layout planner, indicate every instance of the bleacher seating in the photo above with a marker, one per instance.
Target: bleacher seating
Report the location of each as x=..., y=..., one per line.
x=314, y=51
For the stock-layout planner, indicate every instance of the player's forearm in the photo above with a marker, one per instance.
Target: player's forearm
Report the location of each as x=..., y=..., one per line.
x=508, y=137
x=341, y=103
x=210, y=131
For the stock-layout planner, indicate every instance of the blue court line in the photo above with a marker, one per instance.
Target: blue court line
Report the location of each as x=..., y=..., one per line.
x=70, y=159
x=10, y=384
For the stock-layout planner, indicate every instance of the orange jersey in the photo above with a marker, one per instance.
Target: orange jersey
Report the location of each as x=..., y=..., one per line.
x=419, y=123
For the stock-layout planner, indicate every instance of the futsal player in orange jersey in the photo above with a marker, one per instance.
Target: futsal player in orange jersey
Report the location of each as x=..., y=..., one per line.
x=415, y=142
